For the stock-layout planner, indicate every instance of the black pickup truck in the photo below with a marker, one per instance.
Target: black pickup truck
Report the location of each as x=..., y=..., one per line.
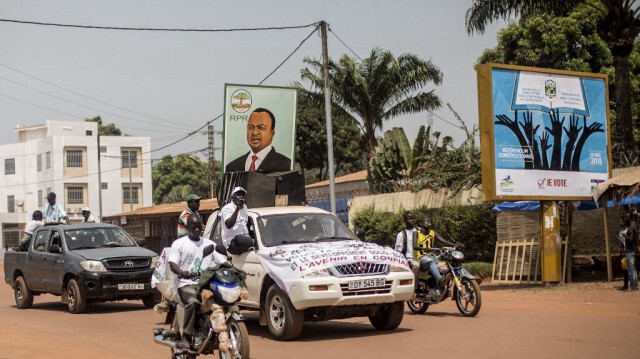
x=81, y=263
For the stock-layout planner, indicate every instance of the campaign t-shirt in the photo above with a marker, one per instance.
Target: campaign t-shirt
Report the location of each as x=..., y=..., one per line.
x=240, y=227
x=188, y=255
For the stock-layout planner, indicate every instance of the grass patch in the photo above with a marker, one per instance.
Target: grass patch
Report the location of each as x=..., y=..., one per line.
x=480, y=269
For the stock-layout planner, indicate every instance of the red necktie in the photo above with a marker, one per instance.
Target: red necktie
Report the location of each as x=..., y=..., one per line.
x=252, y=167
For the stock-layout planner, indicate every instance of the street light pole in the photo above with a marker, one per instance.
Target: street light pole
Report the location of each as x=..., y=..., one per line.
x=327, y=110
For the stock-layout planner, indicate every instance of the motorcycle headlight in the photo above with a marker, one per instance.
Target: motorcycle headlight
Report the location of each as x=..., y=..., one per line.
x=93, y=266
x=319, y=273
x=229, y=293
x=154, y=261
x=457, y=255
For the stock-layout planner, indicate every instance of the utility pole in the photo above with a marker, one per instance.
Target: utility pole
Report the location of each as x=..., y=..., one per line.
x=327, y=110
x=211, y=142
x=130, y=187
x=99, y=183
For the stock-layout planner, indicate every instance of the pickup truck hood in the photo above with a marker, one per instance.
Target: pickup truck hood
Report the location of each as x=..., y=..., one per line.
x=102, y=253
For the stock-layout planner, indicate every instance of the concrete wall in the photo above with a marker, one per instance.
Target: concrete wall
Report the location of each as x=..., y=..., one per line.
x=399, y=201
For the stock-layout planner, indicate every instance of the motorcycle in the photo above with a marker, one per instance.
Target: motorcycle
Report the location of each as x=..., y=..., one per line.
x=459, y=285
x=219, y=324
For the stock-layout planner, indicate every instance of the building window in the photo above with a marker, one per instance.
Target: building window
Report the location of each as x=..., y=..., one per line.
x=48, y=159
x=40, y=198
x=103, y=149
x=74, y=158
x=105, y=185
x=39, y=162
x=11, y=204
x=129, y=157
x=130, y=194
x=89, y=132
x=74, y=195
x=48, y=190
x=9, y=166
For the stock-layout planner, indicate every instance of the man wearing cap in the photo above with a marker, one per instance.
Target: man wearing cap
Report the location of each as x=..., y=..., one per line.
x=86, y=216
x=234, y=216
x=53, y=211
x=193, y=204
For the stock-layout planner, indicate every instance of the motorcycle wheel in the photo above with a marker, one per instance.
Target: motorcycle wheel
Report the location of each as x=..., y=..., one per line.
x=418, y=306
x=469, y=299
x=240, y=340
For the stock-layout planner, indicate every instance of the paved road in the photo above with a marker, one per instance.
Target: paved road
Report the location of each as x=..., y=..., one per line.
x=577, y=321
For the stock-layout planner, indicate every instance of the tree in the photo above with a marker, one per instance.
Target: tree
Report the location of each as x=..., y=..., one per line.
x=377, y=88
x=311, y=139
x=618, y=26
x=105, y=130
x=184, y=170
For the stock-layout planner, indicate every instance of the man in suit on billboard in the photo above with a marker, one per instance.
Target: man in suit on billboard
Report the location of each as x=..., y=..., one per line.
x=263, y=156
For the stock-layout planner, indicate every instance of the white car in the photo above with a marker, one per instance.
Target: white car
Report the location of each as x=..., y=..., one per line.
x=304, y=264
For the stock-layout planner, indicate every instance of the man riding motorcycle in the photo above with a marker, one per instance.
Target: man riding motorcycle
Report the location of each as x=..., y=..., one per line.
x=187, y=260
x=423, y=242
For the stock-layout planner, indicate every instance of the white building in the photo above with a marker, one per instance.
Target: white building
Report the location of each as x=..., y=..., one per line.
x=62, y=157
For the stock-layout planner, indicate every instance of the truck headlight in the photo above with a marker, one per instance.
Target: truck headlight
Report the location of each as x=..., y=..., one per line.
x=93, y=266
x=395, y=268
x=319, y=273
x=154, y=261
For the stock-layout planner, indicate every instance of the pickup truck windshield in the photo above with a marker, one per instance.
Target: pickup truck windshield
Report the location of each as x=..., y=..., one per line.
x=302, y=228
x=97, y=238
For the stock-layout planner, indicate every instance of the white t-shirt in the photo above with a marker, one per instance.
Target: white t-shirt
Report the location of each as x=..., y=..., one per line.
x=32, y=226
x=187, y=254
x=400, y=240
x=53, y=213
x=241, y=223
x=88, y=220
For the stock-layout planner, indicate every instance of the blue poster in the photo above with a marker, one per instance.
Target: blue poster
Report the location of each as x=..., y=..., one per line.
x=550, y=133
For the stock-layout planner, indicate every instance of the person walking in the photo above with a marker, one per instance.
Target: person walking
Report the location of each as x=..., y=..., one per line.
x=193, y=205
x=630, y=248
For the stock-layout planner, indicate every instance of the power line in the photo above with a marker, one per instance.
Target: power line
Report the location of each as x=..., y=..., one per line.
x=287, y=58
x=81, y=105
x=156, y=29
x=42, y=107
x=345, y=45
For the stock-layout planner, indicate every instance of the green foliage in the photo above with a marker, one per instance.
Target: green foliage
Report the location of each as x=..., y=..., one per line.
x=474, y=226
x=183, y=170
x=377, y=88
x=105, y=130
x=177, y=194
x=389, y=167
x=311, y=142
x=479, y=269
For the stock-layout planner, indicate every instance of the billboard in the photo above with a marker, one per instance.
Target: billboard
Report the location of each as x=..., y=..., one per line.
x=259, y=128
x=544, y=133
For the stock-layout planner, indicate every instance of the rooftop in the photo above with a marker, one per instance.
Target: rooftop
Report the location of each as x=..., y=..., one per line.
x=351, y=177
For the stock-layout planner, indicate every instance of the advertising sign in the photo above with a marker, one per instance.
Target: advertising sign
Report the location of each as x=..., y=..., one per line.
x=544, y=133
x=259, y=128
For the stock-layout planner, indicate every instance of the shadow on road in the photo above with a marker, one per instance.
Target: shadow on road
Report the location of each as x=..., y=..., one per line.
x=321, y=331
x=92, y=308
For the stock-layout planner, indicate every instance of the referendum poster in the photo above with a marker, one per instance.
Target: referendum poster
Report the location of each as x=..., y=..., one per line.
x=260, y=121
x=547, y=133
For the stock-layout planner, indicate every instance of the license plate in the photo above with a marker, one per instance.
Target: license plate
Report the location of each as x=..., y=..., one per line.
x=366, y=283
x=130, y=286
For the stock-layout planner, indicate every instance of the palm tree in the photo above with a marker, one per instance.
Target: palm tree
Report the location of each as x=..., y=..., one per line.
x=618, y=27
x=377, y=88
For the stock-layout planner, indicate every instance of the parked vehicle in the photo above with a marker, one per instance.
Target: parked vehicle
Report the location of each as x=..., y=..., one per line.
x=304, y=264
x=81, y=263
x=219, y=324
x=460, y=285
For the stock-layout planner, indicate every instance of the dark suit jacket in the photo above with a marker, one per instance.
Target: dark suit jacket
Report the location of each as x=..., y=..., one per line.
x=274, y=161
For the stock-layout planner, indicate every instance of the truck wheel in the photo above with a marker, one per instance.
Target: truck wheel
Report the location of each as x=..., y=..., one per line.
x=283, y=320
x=76, y=301
x=389, y=317
x=149, y=300
x=22, y=294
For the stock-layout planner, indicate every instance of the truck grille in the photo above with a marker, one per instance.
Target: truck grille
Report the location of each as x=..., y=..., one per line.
x=128, y=264
x=362, y=268
x=369, y=291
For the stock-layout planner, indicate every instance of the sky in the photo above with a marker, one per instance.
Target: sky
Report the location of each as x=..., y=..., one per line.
x=167, y=84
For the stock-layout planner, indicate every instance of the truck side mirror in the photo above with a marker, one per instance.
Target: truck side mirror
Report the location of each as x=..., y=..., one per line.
x=54, y=248
x=141, y=242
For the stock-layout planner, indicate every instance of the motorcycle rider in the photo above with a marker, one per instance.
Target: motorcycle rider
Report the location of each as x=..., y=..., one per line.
x=186, y=260
x=423, y=242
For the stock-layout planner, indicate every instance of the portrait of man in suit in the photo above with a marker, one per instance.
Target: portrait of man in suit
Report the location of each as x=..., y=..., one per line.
x=262, y=155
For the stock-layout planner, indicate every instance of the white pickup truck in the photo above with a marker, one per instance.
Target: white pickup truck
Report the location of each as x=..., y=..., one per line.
x=304, y=264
